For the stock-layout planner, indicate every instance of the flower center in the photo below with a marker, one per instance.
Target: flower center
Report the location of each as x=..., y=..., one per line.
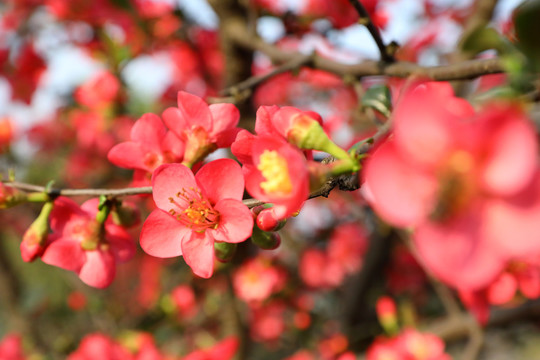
x=457, y=185
x=198, y=145
x=86, y=232
x=199, y=214
x=273, y=168
x=153, y=160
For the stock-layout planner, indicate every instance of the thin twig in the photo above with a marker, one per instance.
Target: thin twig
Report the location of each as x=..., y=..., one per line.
x=253, y=81
x=366, y=20
x=348, y=182
x=80, y=192
x=459, y=71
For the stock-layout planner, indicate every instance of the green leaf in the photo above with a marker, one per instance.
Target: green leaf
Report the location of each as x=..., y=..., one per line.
x=485, y=38
x=527, y=27
x=378, y=97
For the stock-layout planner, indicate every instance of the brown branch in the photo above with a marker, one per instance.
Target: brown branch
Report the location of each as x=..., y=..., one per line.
x=348, y=182
x=481, y=16
x=79, y=192
x=460, y=71
x=365, y=19
x=243, y=90
x=457, y=327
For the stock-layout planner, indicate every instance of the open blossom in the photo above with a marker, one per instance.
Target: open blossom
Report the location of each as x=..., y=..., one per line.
x=194, y=211
x=11, y=348
x=77, y=242
x=522, y=275
x=467, y=183
x=151, y=145
x=409, y=345
x=203, y=128
x=275, y=171
x=99, y=91
x=257, y=279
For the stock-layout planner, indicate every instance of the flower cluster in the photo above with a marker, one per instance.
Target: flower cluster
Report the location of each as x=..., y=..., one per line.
x=465, y=181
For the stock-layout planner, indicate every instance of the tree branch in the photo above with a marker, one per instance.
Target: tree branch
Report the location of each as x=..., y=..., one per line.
x=460, y=71
x=243, y=90
x=365, y=19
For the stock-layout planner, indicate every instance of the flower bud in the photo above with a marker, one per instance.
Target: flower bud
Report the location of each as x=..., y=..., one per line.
x=265, y=240
x=35, y=238
x=387, y=314
x=10, y=197
x=267, y=221
x=126, y=215
x=305, y=131
x=224, y=251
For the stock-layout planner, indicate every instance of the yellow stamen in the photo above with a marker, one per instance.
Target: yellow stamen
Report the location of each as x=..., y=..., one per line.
x=273, y=168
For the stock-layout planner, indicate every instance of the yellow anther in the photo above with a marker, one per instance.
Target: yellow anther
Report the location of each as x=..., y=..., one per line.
x=273, y=168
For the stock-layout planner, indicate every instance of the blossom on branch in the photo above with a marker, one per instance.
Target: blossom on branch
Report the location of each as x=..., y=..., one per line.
x=151, y=145
x=79, y=243
x=194, y=211
x=466, y=182
x=275, y=171
x=203, y=128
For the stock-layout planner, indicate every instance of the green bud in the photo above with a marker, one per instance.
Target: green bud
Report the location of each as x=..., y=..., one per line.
x=224, y=251
x=265, y=240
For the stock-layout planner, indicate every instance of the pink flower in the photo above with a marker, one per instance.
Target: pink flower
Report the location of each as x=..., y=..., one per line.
x=257, y=279
x=78, y=244
x=151, y=145
x=203, y=128
x=196, y=210
x=467, y=183
x=11, y=348
x=99, y=91
x=275, y=171
x=224, y=350
x=99, y=346
x=521, y=275
x=410, y=345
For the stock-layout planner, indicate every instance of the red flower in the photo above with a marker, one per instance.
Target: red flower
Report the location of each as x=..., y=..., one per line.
x=203, y=128
x=151, y=145
x=98, y=346
x=257, y=279
x=78, y=244
x=11, y=348
x=224, y=350
x=467, y=183
x=99, y=91
x=410, y=345
x=196, y=210
x=275, y=171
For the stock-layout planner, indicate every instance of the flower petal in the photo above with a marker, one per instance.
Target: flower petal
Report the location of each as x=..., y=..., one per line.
x=458, y=252
x=65, y=253
x=221, y=179
x=225, y=117
x=149, y=131
x=513, y=223
x=242, y=146
x=191, y=111
x=401, y=194
x=167, y=181
x=512, y=161
x=236, y=221
x=99, y=269
x=122, y=245
x=162, y=235
x=198, y=253
x=64, y=210
x=128, y=155
x=426, y=122
x=172, y=143
x=263, y=122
